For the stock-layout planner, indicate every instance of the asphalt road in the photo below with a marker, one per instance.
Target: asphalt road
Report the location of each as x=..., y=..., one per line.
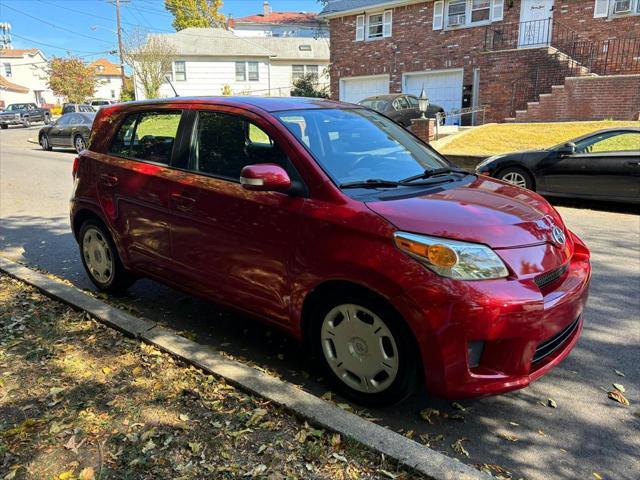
x=586, y=433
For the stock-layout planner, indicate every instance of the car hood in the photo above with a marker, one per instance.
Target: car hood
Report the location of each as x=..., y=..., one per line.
x=12, y=112
x=484, y=211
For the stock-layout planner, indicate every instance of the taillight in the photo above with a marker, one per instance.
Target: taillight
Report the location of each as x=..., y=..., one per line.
x=74, y=169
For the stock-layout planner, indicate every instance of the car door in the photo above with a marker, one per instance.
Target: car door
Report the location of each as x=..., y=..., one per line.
x=133, y=184
x=57, y=133
x=233, y=244
x=606, y=164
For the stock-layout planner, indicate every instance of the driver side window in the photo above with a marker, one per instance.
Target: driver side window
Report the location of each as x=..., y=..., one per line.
x=610, y=142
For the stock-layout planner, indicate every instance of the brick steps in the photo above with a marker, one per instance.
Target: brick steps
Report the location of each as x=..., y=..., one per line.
x=585, y=98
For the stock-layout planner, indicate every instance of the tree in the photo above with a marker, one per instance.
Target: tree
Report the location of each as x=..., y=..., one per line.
x=150, y=58
x=306, y=87
x=128, y=91
x=195, y=13
x=71, y=78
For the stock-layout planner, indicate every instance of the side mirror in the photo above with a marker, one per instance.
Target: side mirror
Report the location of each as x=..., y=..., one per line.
x=568, y=148
x=265, y=177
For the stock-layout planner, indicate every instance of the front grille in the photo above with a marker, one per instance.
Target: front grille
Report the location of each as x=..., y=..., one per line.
x=550, y=345
x=550, y=276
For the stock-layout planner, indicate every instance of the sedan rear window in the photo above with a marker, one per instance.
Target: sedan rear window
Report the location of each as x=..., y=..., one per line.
x=147, y=136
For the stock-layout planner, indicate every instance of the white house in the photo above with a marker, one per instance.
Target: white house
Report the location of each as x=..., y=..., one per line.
x=280, y=24
x=109, y=77
x=208, y=61
x=23, y=77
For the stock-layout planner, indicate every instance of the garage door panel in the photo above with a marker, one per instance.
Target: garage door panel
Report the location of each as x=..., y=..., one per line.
x=355, y=89
x=443, y=88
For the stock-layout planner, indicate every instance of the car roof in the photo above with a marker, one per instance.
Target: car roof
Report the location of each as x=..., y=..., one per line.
x=387, y=96
x=268, y=104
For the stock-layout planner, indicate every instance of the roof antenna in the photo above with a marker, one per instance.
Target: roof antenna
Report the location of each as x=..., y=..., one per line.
x=168, y=79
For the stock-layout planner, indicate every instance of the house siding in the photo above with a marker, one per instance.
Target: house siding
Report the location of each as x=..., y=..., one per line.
x=414, y=46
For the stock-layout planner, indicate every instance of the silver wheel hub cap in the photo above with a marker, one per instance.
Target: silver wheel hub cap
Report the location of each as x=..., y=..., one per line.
x=97, y=255
x=515, y=178
x=79, y=144
x=359, y=348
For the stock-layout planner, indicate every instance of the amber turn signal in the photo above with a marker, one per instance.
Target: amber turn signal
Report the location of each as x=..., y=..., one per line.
x=442, y=256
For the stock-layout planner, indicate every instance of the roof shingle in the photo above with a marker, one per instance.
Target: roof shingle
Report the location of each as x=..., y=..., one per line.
x=12, y=87
x=103, y=66
x=11, y=53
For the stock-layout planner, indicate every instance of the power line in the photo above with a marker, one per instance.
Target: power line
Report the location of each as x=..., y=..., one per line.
x=53, y=24
x=78, y=56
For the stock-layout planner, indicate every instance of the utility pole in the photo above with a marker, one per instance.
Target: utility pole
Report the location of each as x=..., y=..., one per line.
x=122, y=75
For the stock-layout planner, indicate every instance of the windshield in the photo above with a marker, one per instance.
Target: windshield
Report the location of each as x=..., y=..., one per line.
x=17, y=106
x=374, y=104
x=354, y=145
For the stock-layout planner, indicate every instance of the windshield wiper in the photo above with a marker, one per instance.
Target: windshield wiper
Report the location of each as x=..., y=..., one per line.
x=432, y=173
x=370, y=183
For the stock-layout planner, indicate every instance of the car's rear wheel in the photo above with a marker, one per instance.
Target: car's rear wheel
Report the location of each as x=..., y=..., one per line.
x=79, y=143
x=44, y=142
x=100, y=258
x=47, y=120
x=26, y=123
x=365, y=349
x=4, y=126
x=517, y=176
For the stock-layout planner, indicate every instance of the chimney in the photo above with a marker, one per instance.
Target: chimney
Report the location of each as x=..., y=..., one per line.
x=266, y=9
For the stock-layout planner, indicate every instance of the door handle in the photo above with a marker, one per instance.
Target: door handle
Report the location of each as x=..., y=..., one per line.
x=633, y=164
x=108, y=180
x=183, y=202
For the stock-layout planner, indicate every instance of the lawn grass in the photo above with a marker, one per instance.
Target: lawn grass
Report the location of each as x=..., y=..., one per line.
x=79, y=401
x=494, y=139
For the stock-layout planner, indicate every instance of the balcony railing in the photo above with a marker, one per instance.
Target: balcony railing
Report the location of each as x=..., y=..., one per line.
x=534, y=33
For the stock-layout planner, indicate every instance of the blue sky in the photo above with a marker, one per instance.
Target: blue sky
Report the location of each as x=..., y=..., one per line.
x=65, y=25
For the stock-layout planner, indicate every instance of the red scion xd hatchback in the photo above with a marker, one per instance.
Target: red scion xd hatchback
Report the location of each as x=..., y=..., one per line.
x=336, y=224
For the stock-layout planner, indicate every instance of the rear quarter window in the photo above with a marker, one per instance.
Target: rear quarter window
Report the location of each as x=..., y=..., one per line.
x=147, y=136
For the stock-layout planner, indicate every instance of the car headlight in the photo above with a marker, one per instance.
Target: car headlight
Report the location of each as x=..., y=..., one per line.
x=452, y=258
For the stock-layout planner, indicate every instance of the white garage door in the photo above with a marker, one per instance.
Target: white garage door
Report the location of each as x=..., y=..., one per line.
x=355, y=89
x=443, y=88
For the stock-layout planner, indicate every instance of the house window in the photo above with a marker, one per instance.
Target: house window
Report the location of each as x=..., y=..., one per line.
x=241, y=71
x=621, y=6
x=615, y=8
x=299, y=71
x=374, y=26
x=254, y=74
x=7, y=70
x=180, y=69
x=461, y=13
x=247, y=71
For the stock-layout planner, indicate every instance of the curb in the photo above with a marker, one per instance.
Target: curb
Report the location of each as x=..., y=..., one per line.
x=434, y=465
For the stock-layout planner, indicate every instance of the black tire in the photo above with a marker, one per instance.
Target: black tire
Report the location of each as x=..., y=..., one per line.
x=78, y=143
x=408, y=362
x=120, y=279
x=510, y=173
x=44, y=142
x=47, y=120
x=4, y=126
x=26, y=123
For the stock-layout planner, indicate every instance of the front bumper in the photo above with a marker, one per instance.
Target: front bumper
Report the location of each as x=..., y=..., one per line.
x=11, y=121
x=524, y=329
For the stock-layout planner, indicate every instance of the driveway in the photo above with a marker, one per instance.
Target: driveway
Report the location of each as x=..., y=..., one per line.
x=586, y=433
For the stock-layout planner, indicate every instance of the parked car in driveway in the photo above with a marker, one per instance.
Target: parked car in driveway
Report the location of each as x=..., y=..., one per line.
x=69, y=131
x=604, y=165
x=400, y=107
x=98, y=103
x=336, y=224
x=77, y=107
x=24, y=114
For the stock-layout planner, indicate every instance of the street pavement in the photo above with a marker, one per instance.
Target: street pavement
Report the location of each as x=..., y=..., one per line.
x=586, y=433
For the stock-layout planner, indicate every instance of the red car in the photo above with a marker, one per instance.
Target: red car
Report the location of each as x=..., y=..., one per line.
x=339, y=226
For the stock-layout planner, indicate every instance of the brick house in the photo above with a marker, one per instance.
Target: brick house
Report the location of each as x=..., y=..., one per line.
x=528, y=59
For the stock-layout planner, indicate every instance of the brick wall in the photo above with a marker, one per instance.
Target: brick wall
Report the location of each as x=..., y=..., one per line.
x=588, y=98
x=415, y=46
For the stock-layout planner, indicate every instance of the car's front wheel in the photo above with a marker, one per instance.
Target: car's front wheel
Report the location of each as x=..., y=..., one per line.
x=79, y=143
x=517, y=176
x=26, y=123
x=101, y=260
x=4, y=126
x=365, y=349
x=44, y=142
x=47, y=120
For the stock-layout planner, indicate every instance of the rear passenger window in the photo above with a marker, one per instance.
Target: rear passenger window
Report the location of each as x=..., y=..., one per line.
x=224, y=144
x=148, y=136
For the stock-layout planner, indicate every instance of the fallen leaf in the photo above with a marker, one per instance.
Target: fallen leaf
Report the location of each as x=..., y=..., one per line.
x=387, y=474
x=87, y=474
x=184, y=417
x=256, y=416
x=506, y=436
x=514, y=424
x=552, y=403
x=458, y=406
x=619, y=373
x=148, y=446
x=459, y=448
x=427, y=413
x=195, y=447
x=335, y=440
x=345, y=406
x=619, y=387
x=618, y=397
x=327, y=396
x=597, y=476
x=106, y=370
x=262, y=448
x=339, y=457
x=137, y=371
x=258, y=470
x=409, y=434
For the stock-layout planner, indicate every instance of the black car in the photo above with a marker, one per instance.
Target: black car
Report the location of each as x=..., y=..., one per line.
x=24, y=114
x=603, y=165
x=400, y=107
x=69, y=131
